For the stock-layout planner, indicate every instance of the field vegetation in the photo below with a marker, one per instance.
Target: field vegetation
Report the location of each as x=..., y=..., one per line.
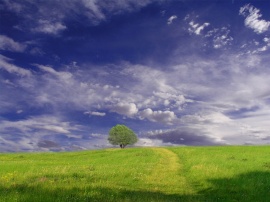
x=228, y=173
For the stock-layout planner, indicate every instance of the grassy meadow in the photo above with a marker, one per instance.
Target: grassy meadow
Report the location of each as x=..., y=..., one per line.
x=218, y=173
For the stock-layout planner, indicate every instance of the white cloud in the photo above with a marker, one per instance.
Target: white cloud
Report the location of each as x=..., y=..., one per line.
x=19, y=111
x=8, y=82
x=98, y=113
x=156, y=132
x=265, y=46
x=96, y=135
x=262, y=49
x=200, y=28
x=220, y=37
x=196, y=28
x=21, y=144
x=65, y=76
x=17, y=7
x=265, y=39
x=48, y=123
x=116, y=6
x=36, y=51
x=95, y=113
x=48, y=27
x=255, y=46
x=94, y=11
x=154, y=80
x=171, y=100
x=50, y=16
x=29, y=134
x=53, y=128
x=9, y=44
x=171, y=19
x=210, y=117
x=11, y=68
x=147, y=142
x=127, y=109
x=250, y=126
x=253, y=19
x=167, y=117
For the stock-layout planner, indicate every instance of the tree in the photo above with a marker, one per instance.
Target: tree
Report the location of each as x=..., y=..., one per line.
x=122, y=135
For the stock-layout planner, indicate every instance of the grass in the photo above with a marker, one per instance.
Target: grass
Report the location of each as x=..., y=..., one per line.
x=231, y=173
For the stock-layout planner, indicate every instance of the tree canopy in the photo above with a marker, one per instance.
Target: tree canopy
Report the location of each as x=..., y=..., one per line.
x=122, y=135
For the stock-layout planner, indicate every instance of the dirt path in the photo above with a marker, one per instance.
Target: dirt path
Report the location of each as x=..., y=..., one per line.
x=167, y=174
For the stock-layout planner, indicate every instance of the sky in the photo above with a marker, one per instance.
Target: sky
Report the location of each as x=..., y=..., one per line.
x=177, y=72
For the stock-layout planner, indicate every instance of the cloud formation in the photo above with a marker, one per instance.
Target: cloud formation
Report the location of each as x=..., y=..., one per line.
x=155, y=95
x=166, y=117
x=48, y=27
x=171, y=19
x=253, y=19
x=49, y=17
x=96, y=113
x=127, y=109
x=220, y=37
x=5, y=63
x=196, y=28
x=46, y=123
x=9, y=44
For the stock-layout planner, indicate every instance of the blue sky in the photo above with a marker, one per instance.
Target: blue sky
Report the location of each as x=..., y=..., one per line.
x=176, y=72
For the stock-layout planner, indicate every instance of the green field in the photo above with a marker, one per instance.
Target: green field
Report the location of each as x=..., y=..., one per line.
x=229, y=173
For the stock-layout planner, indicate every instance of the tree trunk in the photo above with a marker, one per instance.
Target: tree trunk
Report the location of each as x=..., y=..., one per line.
x=122, y=146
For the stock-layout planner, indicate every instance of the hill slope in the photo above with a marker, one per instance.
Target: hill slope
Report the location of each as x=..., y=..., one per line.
x=138, y=174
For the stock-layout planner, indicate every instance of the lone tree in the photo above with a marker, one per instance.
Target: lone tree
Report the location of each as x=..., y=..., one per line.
x=122, y=135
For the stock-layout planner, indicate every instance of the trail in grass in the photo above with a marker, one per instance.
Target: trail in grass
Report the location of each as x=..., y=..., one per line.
x=168, y=175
